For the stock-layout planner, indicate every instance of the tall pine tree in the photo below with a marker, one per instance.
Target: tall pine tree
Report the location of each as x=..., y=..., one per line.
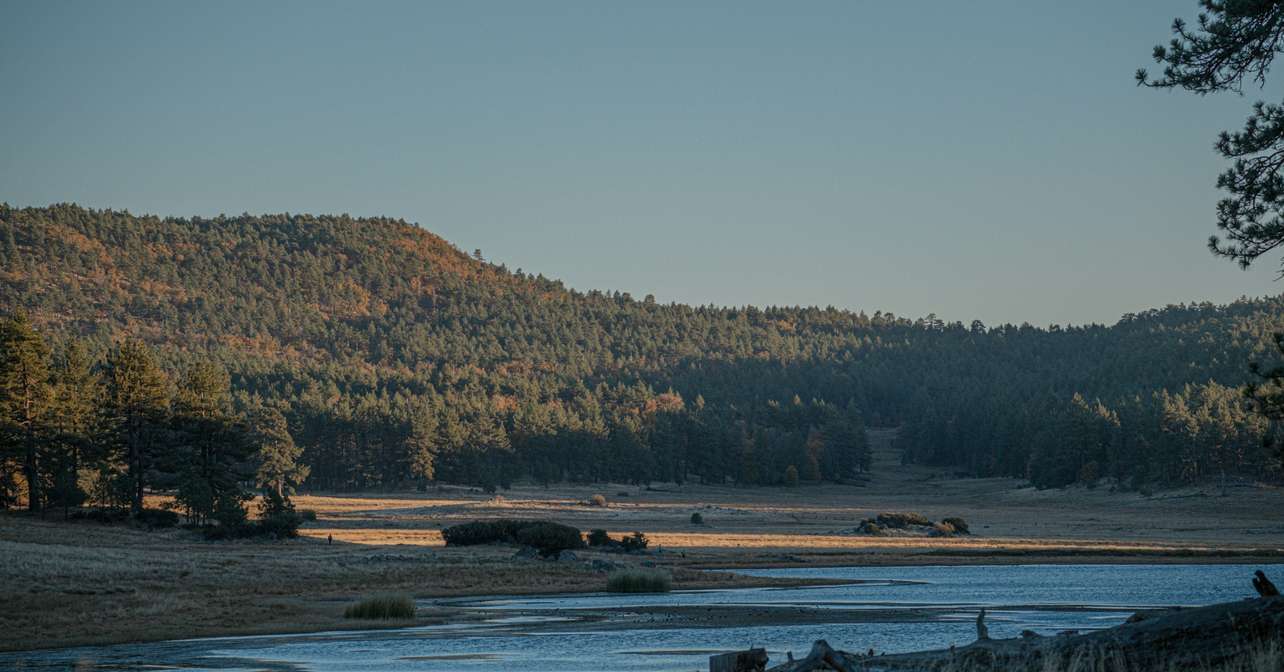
x=24, y=399
x=138, y=403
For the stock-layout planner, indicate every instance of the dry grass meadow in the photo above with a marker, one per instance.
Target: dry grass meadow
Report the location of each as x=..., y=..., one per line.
x=82, y=582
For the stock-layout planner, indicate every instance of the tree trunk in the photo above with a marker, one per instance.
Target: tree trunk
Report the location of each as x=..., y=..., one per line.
x=753, y=660
x=31, y=468
x=136, y=471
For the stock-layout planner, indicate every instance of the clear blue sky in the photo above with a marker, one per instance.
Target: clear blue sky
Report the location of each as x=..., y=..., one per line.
x=988, y=160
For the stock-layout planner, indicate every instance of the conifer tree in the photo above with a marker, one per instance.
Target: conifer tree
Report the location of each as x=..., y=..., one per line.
x=279, y=470
x=422, y=447
x=138, y=401
x=73, y=448
x=24, y=399
x=211, y=458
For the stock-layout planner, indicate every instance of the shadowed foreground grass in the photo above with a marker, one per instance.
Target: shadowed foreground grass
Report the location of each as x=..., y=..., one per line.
x=1259, y=657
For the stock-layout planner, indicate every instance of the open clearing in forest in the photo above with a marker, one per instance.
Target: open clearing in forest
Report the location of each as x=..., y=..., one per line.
x=1005, y=515
x=83, y=582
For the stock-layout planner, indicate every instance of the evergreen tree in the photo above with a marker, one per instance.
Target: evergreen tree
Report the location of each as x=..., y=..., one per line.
x=212, y=455
x=24, y=399
x=422, y=446
x=1235, y=42
x=279, y=470
x=77, y=393
x=138, y=401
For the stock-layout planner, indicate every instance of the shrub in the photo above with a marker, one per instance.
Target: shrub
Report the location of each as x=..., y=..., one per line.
x=547, y=537
x=958, y=524
x=308, y=515
x=277, y=518
x=482, y=532
x=697, y=519
x=230, y=514
x=105, y=516
x=385, y=607
x=157, y=518
x=869, y=527
x=635, y=542
x=599, y=538
x=639, y=581
x=598, y=500
x=791, y=476
x=901, y=520
x=1089, y=473
x=279, y=525
x=550, y=538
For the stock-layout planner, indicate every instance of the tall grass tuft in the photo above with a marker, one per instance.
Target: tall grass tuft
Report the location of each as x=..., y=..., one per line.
x=1266, y=656
x=639, y=581
x=382, y=608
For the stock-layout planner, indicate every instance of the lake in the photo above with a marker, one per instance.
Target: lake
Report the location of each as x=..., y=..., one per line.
x=909, y=608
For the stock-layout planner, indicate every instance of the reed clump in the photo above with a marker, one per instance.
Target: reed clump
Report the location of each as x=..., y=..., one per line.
x=383, y=607
x=639, y=581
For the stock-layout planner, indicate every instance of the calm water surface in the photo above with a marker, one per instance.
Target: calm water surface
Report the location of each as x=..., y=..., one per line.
x=942, y=601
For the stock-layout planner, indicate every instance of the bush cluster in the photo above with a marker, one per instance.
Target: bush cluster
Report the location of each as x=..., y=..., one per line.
x=550, y=538
x=628, y=544
x=283, y=525
x=547, y=537
x=635, y=542
x=884, y=522
x=158, y=518
x=901, y=520
x=599, y=538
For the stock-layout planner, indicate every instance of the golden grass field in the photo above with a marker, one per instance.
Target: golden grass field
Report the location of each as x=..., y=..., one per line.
x=83, y=582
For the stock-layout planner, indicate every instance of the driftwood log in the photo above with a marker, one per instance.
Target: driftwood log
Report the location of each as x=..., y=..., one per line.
x=753, y=660
x=1182, y=639
x=821, y=657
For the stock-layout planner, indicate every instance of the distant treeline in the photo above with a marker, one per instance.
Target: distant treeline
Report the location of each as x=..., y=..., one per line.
x=78, y=430
x=396, y=358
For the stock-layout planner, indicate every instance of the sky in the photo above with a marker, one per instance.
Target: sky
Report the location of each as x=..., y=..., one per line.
x=989, y=160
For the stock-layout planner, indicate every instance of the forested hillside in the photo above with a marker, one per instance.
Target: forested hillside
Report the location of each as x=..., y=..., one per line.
x=396, y=358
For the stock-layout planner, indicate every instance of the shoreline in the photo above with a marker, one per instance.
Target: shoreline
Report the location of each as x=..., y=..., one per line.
x=448, y=607
x=524, y=620
x=81, y=583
